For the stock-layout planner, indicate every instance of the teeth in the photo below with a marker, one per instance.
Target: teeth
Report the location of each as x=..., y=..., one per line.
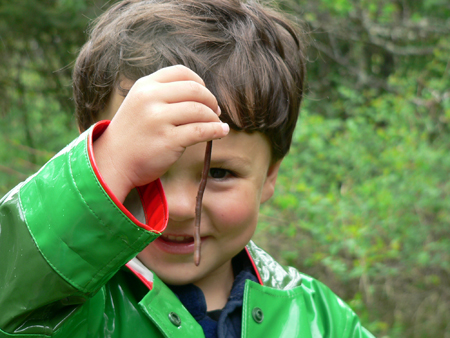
x=177, y=238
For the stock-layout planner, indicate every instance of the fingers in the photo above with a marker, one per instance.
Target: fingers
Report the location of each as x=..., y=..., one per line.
x=183, y=91
x=174, y=74
x=189, y=112
x=201, y=132
x=163, y=114
x=175, y=84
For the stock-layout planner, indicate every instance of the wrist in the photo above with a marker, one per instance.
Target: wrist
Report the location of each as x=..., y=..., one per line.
x=105, y=163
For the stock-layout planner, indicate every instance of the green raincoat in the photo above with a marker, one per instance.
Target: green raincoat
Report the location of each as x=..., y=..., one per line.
x=64, y=244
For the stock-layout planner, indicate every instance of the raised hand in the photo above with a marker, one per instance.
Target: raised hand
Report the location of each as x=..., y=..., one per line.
x=162, y=114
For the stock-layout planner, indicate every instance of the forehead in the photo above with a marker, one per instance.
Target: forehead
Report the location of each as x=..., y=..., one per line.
x=250, y=151
x=243, y=143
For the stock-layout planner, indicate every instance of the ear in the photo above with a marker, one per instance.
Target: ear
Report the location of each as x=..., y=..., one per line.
x=269, y=184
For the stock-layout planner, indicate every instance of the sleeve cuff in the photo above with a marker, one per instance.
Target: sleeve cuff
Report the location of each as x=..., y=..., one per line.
x=79, y=227
x=152, y=195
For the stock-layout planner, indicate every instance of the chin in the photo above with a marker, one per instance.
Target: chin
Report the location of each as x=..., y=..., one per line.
x=178, y=278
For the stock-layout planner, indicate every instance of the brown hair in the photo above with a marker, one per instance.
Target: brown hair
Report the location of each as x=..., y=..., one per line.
x=250, y=57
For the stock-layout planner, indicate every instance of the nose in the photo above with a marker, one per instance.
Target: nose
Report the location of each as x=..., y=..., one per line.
x=181, y=196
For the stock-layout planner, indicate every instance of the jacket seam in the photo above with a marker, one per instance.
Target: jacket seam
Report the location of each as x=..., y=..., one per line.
x=108, y=200
x=107, y=266
x=295, y=295
x=131, y=246
x=43, y=254
x=42, y=335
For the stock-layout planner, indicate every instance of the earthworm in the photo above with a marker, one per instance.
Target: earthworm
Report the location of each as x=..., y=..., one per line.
x=198, y=205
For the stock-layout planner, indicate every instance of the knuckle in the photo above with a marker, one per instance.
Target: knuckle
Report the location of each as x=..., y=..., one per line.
x=143, y=92
x=181, y=68
x=197, y=107
x=200, y=132
x=140, y=83
x=140, y=95
x=138, y=92
x=187, y=73
x=194, y=88
x=182, y=71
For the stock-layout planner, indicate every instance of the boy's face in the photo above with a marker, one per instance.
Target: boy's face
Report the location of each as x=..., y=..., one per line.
x=240, y=179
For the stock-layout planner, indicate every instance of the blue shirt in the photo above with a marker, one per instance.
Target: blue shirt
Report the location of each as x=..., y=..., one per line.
x=225, y=323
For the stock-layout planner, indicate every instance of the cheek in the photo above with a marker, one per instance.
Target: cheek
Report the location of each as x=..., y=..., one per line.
x=236, y=212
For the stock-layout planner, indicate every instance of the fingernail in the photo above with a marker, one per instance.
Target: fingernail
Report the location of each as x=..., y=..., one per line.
x=225, y=127
x=219, y=111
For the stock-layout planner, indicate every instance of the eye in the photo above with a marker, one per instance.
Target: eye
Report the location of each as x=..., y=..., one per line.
x=219, y=173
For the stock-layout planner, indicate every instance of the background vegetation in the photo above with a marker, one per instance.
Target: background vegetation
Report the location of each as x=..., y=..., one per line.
x=363, y=200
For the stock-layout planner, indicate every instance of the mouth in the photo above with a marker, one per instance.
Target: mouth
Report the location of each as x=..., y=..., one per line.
x=177, y=239
x=176, y=244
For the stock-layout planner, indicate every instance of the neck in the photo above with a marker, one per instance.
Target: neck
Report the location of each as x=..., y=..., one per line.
x=217, y=287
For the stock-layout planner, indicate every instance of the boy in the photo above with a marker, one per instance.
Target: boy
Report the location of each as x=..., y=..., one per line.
x=170, y=75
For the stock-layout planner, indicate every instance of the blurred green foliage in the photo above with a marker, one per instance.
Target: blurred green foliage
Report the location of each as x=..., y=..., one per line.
x=363, y=199
x=39, y=41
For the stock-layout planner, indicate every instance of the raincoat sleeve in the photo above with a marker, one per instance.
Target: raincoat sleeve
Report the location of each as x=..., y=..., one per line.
x=63, y=236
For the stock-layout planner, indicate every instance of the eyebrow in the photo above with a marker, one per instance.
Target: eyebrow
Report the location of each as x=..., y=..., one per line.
x=240, y=161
